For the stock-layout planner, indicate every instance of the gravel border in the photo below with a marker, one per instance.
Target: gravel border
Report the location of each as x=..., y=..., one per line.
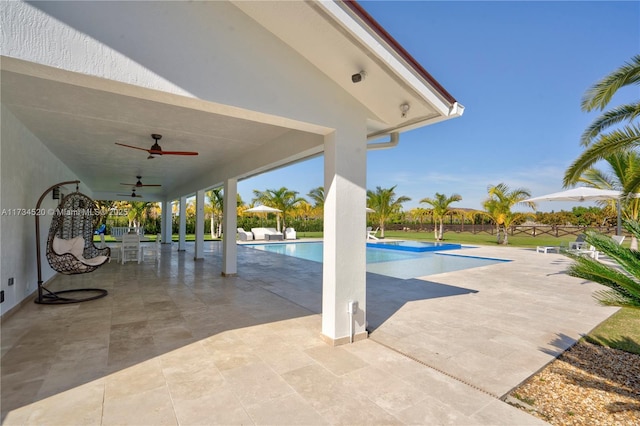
x=587, y=385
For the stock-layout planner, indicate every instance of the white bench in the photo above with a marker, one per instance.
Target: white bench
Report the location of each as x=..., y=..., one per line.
x=548, y=249
x=118, y=231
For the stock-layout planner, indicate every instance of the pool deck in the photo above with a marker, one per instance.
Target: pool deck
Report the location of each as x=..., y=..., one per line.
x=176, y=343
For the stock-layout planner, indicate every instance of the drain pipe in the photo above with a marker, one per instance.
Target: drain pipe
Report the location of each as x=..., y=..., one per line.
x=391, y=143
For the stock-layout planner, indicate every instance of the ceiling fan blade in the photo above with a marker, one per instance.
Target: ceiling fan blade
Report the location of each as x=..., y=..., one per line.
x=131, y=146
x=174, y=152
x=138, y=186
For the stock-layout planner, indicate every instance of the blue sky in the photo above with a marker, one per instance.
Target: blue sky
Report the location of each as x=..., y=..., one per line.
x=519, y=68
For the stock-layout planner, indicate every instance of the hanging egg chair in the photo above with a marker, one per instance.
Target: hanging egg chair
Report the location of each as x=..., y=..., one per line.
x=70, y=248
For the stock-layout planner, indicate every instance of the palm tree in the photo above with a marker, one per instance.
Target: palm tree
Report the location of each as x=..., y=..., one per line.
x=600, y=144
x=138, y=212
x=440, y=208
x=384, y=203
x=215, y=210
x=317, y=196
x=283, y=199
x=498, y=207
x=623, y=167
x=623, y=281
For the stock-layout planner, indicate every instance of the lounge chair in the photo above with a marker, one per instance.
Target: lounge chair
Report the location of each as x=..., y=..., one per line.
x=574, y=246
x=618, y=239
x=371, y=235
x=244, y=235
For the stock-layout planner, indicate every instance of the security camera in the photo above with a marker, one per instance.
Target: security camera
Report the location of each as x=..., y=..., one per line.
x=357, y=78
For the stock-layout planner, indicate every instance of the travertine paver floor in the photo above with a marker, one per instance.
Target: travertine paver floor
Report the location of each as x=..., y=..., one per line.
x=176, y=343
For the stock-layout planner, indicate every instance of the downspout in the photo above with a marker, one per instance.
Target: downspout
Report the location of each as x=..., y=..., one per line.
x=391, y=143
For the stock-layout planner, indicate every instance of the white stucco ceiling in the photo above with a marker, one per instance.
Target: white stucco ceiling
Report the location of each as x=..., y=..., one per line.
x=80, y=126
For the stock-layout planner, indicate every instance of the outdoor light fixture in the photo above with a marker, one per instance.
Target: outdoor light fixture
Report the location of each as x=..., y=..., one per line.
x=357, y=78
x=404, y=108
x=56, y=193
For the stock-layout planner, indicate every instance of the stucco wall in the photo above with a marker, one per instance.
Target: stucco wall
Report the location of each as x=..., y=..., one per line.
x=206, y=50
x=27, y=168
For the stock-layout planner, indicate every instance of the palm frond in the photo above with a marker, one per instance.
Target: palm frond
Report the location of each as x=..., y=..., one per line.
x=599, y=95
x=622, y=280
x=627, y=112
x=606, y=145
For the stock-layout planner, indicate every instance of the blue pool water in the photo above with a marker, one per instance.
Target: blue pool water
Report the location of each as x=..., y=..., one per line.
x=418, y=246
x=391, y=262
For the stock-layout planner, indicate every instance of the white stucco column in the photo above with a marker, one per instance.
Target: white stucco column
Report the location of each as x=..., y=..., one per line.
x=344, y=258
x=182, y=225
x=199, y=251
x=166, y=222
x=229, y=227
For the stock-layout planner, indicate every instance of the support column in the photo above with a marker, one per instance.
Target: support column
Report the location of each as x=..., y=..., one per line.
x=166, y=222
x=182, y=227
x=344, y=258
x=199, y=251
x=229, y=228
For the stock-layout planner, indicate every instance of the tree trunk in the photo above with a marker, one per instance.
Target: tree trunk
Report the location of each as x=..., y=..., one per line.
x=435, y=230
x=441, y=233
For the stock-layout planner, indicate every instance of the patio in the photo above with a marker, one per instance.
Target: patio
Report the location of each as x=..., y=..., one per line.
x=176, y=343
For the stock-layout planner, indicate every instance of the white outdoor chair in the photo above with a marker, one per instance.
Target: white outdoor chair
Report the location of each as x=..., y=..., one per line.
x=371, y=235
x=290, y=234
x=130, y=249
x=618, y=239
x=152, y=249
x=244, y=235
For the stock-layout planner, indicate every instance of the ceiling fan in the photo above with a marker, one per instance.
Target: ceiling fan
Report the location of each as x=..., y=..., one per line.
x=156, y=150
x=139, y=183
x=132, y=195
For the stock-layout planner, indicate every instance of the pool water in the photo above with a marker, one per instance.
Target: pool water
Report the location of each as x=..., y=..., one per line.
x=391, y=262
x=418, y=246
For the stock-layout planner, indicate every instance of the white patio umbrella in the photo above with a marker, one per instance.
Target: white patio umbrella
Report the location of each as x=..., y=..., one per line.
x=262, y=209
x=580, y=194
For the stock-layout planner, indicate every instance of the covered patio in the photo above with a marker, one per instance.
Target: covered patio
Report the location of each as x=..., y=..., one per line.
x=166, y=347
x=248, y=86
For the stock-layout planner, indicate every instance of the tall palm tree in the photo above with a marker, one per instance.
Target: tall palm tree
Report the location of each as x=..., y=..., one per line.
x=215, y=210
x=283, y=199
x=498, y=207
x=440, y=208
x=138, y=212
x=384, y=203
x=626, y=136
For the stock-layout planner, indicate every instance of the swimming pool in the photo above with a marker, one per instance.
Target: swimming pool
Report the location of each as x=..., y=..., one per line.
x=394, y=263
x=419, y=246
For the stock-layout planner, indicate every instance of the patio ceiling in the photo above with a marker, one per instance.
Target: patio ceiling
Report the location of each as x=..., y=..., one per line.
x=80, y=126
x=79, y=118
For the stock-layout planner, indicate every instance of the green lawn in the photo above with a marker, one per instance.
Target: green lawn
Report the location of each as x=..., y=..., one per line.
x=620, y=331
x=483, y=238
